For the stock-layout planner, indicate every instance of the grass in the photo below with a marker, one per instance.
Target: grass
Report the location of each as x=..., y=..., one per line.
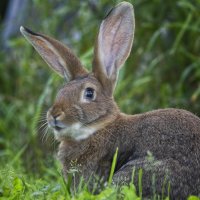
x=163, y=71
x=17, y=185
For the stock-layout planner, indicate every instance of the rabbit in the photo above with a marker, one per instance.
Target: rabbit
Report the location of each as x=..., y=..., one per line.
x=90, y=127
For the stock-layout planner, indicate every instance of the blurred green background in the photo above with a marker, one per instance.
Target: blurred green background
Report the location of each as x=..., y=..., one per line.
x=162, y=71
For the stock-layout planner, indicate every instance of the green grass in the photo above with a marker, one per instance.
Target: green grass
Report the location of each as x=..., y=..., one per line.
x=17, y=185
x=163, y=71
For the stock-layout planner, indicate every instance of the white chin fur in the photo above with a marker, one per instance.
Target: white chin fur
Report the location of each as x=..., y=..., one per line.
x=75, y=131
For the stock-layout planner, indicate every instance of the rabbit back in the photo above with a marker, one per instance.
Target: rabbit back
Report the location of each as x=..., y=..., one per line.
x=165, y=144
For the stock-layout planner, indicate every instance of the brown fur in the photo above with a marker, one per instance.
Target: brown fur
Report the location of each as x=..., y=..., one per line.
x=171, y=135
x=90, y=130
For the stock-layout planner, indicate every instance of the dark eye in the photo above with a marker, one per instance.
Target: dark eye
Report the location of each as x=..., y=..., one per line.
x=89, y=93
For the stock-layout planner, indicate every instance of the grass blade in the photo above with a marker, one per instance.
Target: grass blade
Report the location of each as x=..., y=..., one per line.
x=114, y=162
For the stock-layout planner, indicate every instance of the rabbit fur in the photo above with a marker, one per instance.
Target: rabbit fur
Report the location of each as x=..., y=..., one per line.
x=89, y=125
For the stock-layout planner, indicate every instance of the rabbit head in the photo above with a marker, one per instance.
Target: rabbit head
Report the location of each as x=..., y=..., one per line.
x=85, y=104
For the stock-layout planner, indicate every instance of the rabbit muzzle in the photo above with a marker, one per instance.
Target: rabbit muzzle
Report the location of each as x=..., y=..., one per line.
x=55, y=121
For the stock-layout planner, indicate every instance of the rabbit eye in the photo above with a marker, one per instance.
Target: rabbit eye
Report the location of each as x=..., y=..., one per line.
x=89, y=93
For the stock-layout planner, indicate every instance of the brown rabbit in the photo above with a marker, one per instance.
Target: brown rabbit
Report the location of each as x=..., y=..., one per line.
x=89, y=125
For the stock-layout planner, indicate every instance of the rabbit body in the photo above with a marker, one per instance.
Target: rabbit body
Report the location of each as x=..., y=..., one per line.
x=171, y=135
x=88, y=123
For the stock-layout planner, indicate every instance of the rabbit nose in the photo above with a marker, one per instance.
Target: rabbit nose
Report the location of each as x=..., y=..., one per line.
x=55, y=119
x=56, y=114
x=58, y=117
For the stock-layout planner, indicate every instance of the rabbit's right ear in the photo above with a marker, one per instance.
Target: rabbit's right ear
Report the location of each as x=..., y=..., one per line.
x=57, y=56
x=113, y=45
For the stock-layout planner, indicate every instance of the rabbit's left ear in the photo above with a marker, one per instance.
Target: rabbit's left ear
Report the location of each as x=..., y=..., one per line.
x=113, y=44
x=59, y=57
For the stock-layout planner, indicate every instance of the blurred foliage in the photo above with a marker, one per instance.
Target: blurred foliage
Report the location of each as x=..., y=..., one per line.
x=163, y=70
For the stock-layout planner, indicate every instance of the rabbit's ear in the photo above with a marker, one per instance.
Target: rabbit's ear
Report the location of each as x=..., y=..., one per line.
x=113, y=44
x=58, y=57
